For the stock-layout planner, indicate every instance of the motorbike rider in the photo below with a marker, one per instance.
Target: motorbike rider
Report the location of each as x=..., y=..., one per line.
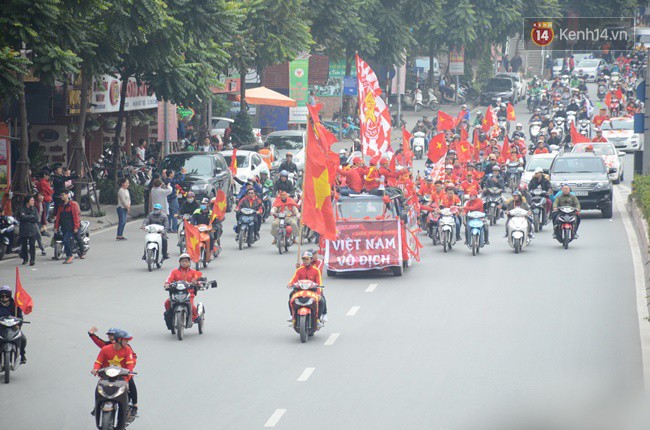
x=540, y=180
x=285, y=204
x=189, y=205
x=469, y=184
x=186, y=274
x=449, y=200
x=283, y=183
x=566, y=198
x=309, y=271
x=494, y=179
x=203, y=215
x=536, y=116
x=599, y=136
x=502, y=113
x=517, y=201
x=573, y=105
x=560, y=112
x=540, y=148
x=519, y=132
x=464, y=113
x=288, y=164
x=158, y=217
x=8, y=308
x=584, y=113
x=475, y=203
x=68, y=218
x=492, y=161
x=251, y=201
x=555, y=138
x=265, y=181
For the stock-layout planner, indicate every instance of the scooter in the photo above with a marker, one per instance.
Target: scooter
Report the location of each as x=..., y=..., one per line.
x=179, y=317
x=538, y=208
x=204, y=246
x=565, y=225
x=476, y=225
x=153, y=246
x=304, y=303
x=517, y=229
x=59, y=248
x=432, y=227
x=266, y=203
x=181, y=232
x=9, y=241
x=418, y=144
x=432, y=101
x=493, y=200
x=284, y=235
x=246, y=227
x=570, y=118
x=534, y=129
x=602, y=91
x=584, y=127
x=10, y=338
x=447, y=229
x=112, y=409
x=514, y=172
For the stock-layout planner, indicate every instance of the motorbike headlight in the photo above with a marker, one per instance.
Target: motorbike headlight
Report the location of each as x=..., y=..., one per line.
x=112, y=373
x=200, y=187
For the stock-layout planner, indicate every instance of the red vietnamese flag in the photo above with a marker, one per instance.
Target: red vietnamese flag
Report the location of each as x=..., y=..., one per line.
x=233, y=162
x=317, y=211
x=608, y=98
x=619, y=94
x=488, y=120
x=192, y=240
x=327, y=139
x=445, y=121
x=21, y=298
x=406, y=146
x=505, y=149
x=219, y=207
x=463, y=133
x=577, y=137
x=464, y=151
x=510, y=112
x=437, y=147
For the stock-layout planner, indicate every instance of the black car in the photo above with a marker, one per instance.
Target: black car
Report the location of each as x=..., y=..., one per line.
x=499, y=87
x=588, y=178
x=206, y=173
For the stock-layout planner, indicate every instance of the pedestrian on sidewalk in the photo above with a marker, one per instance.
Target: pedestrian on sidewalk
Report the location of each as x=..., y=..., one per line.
x=28, y=218
x=123, y=207
x=44, y=187
x=159, y=194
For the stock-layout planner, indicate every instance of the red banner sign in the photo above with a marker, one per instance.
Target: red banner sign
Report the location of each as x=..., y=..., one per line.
x=365, y=245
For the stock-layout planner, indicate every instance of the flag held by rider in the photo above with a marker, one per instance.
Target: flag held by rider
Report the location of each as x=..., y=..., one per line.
x=510, y=112
x=192, y=241
x=21, y=298
x=437, y=147
x=445, y=121
x=219, y=206
x=233, y=162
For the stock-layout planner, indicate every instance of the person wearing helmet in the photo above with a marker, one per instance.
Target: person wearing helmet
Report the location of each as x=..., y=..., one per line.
x=283, y=183
x=495, y=178
x=98, y=340
x=489, y=167
x=475, y=204
x=451, y=200
x=518, y=201
x=249, y=184
x=536, y=116
x=189, y=205
x=133, y=390
x=518, y=133
x=251, y=201
x=555, y=138
x=284, y=204
x=265, y=181
x=117, y=353
x=565, y=198
x=288, y=164
x=464, y=114
x=309, y=271
x=203, y=216
x=8, y=308
x=158, y=217
x=185, y=273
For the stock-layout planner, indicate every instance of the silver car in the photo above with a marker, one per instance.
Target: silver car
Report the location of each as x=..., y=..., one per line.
x=285, y=141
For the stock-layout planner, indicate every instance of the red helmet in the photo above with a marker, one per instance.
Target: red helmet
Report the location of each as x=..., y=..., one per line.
x=357, y=160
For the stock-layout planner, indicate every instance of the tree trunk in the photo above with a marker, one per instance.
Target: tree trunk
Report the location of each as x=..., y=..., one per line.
x=242, y=89
x=204, y=129
x=79, y=139
x=118, y=128
x=432, y=51
x=22, y=182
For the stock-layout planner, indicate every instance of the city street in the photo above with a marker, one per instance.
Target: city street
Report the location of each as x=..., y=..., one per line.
x=497, y=341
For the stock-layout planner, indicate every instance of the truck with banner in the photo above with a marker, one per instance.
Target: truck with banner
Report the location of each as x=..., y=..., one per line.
x=373, y=233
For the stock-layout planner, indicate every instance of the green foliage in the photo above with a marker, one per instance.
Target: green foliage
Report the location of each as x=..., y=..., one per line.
x=242, y=129
x=108, y=192
x=641, y=193
x=12, y=64
x=220, y=105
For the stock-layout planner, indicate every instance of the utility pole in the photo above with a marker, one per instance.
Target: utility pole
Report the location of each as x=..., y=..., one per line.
x=645, y=166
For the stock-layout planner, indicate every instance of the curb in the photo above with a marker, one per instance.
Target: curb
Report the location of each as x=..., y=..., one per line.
x=641, y=227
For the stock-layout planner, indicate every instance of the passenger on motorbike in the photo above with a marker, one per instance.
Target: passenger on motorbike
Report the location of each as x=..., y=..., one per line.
x=8, y=308
x=158, y=217
x=540, y=180
x=502, y=113
x=475, y=204
x=186, y=274
x=489, y=168
x=566, y=198
x=536, y=116
x=285, y=204
x=251, y=201
x=309, y=271
x=283, y=183
x=117, y=353
x=541, y=148
x=469, y=184
x=573, y=105
x=250, y=184
x=449, y=200
x=517, y=201
x=584, y=113
x=203, y=215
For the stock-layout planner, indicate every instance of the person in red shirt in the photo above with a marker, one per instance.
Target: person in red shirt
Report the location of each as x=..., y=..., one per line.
x=45, y=187
x=451, y=200
x=599, y=136
x=309, y=271
x=475, y=204
x=600, y=118
x=541, y=149
x=427, y=187
x=115, y=354
x=389, y=176
x=354, y=177
x=186, y=274
x=469, y=184
x=471, y=168
x=372, y=179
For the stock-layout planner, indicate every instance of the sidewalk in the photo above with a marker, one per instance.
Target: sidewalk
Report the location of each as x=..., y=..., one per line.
x=110, y=219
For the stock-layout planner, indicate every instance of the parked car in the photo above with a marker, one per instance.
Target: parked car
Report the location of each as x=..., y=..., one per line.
x=519, y=83
x=219, y=125
x=611, y=156
x=588, y=178
x=534, y=161
x=499, y=87
x=620, y=132
x=249, y=164
x=590, y=68
x=206, y=173
x=293, y=141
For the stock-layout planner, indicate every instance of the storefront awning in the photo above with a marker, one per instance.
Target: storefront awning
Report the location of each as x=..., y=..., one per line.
x=265, y=96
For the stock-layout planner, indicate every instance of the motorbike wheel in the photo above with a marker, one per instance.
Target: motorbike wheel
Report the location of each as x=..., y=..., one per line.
x=280, y=241
x=204, y=258
x=200, y=323
x=107, y=420
x=445, y=244
x=3, y=250
x=536, y=223
x=302, y=328
x=180, y=325
x=474, y=245
x=565, y=238
x=150, y=259
x=493, y=216
x=84, y=204
x=517, y=245
x=58, y=250
x=242, y=233
x=7, y=368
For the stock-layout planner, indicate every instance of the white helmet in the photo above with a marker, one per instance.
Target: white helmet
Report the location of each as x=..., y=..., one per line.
x=519, y=125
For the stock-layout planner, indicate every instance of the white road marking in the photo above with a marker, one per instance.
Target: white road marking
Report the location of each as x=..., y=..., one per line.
x=371, y=288
x=306, y=374
x=353, y=311
x=639, y=281
x=330, y=340
x=273, y=420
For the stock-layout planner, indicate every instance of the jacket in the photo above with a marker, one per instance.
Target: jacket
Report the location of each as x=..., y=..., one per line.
x=354, y=178
x=159, y=195
x=28, y=218
x=58, y=182
x=68, y=217
x=183, y=274
x=310, y=272
x=188, y=208
x=253, y=203
x=10, y=310
x=160, y=219
x=510, y=204
x=566, y=200
x=289, y=207
x=544, y=183
x=283, y=186
x=289, y=166
x=200, y=217
x=44, y=187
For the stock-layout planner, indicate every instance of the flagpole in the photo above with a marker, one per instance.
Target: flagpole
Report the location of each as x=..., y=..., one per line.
x=302, y=200
x=16, y=290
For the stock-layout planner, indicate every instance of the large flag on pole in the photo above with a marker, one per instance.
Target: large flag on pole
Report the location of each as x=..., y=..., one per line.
x=317, y=210
x=21, y=298
x=192, y=240
x=219, y=206
x=373, y=112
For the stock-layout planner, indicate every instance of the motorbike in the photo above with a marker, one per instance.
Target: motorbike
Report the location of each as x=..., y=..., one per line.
x=246, y=227
x=10, y=338
x=112, y=409
x=304, y=304
x=266, y=203
x=475, y=223
x=533, y=102
x=504, y=126
x=284, y=235
x=432, y=101
x=180, y=314
x=602, y=91
x=413, y=100
x=447, y=229
x=538, y=208
x=418, y=144
x=206, y=253
x=9, y=240
x=570, y=118
x=565, y=225
x=517, y=229
x=615, y=108
x=534, y=130
x=584, y=127
x=492, y=204
x=514, y=172
x=59, y=247
x=153, y=246
x=181, y=232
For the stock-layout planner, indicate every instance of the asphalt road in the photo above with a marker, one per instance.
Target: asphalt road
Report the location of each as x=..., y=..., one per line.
x=545, y=339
